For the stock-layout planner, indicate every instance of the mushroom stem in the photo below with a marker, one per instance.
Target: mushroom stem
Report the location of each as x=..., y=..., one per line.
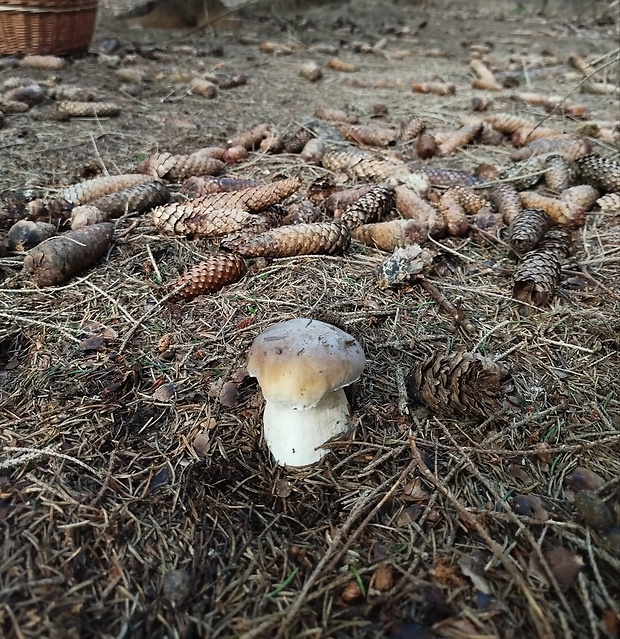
x=295, y=436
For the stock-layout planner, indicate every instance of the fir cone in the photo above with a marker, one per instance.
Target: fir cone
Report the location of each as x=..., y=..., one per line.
x=369, y=135
x=558, y=176
x=454, y=214
x=562, y=213
x=506, y=200
x=24, y=235
x=525, y=174
x=188, y=219
x=527, y=229
x=472, y=201
x=461, y=383
x=60, y=258
x=538, y=274
x=303, y=212
x=426, y=146
x=295, y=141
x=49, y=210
x=609, y=203
x=252, y=138
x=582, y=196
x=87, y=215
x=178, y=167
x=313, y=151
x=390, y=235
x=403, y=265
x=602, y=173
x=370, y=207
x=460, y=138
x=199, y=186
x=570, y=146
x=89, y=190
x=508, y=122
x=77, y=109
x=320, y=238
x=138, y=198
x=359, y=165
x=211, y=275
x=413, y=207
x=412, y=128
x=446, y=177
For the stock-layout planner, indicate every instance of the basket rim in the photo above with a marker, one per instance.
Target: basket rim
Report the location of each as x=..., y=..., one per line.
x=47, y=6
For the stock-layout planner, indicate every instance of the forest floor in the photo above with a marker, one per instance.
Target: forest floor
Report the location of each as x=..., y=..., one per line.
x=136, y=501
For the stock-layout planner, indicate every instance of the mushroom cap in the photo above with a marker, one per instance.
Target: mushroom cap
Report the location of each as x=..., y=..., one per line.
x=299, y=361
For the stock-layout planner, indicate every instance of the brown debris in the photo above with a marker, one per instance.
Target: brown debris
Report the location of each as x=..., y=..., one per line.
x=602, y=173
x=60, y=258
x=593, y=511
x=462, y=383
x=211, y=275
x=565, y=566
x=43, y=62
x=320, y=238
x=370, y=207
x=408, y=263
x=527, y=229
x=390, y=235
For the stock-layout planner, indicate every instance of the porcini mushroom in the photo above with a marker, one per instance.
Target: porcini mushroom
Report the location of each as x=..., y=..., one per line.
x=302, y=367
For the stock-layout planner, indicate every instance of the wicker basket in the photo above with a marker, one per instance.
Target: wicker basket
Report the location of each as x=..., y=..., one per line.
x=46, y=26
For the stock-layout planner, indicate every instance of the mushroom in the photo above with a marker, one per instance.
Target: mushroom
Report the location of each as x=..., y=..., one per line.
x=302, y=366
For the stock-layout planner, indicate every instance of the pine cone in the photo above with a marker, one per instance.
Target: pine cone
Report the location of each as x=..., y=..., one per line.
x=602, y=173
x=60, y=258
x=562, y=213
x=446, y=177
x=87, y=109
x=412, y=128
x=609, y=203
x=369, y=135
x=507, y=122
x=178, y=167
x=369, y=208
x=189, y=219
x=295, y=141
x=388, y=236
x=506, y=200
x=462, y=383
x=527, y=229
x=320, y=238
x=525, y=174
x=558, y=176
x=24, y=235
x=570, y=146
x=426, y=146
x=359, y=165
x=462, y=137
x=454, y=214
x=90, y=190
x=413, y=207
x=211, y=275
x=469, y=199
x=198, y=186
x=582, y=196
x=538, y=274
x=138, y=198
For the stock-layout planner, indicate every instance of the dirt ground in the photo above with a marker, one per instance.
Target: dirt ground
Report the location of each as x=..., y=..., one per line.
x=135, y=503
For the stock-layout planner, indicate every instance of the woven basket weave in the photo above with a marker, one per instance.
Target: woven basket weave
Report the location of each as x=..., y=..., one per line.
x=46, y=26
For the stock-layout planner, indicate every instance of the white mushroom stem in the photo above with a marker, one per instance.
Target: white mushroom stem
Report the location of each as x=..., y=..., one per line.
x=295, y=436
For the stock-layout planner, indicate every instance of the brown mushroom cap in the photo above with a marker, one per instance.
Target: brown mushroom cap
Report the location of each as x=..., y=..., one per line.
x=299, y=361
